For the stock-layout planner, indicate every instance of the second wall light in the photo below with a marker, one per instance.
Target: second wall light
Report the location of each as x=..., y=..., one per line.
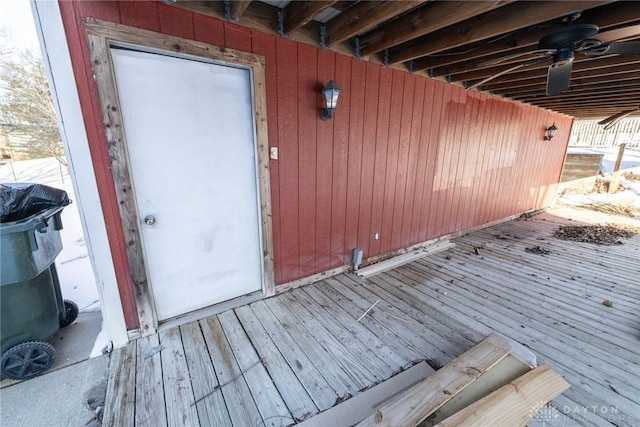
x=331, y=93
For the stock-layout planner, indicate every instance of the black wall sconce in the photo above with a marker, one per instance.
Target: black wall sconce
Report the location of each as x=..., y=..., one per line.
x=550, y=132
x=331, y=93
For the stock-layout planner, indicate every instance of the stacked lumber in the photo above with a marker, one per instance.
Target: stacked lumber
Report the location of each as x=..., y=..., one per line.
x=494, y=383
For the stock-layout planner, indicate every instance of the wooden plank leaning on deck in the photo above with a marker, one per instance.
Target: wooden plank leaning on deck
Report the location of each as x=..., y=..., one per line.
x=121, y=389
x=178, y=394
x=150, y=408
x=515, y=404
x=212, y=410
x=421, y=400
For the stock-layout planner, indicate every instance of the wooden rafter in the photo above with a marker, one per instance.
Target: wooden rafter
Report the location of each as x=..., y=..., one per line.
x=238, y=7
x=575, y=81
x=363, y=16
x=494, y=23
x=616, y=14
x=427, y=19
x=298, y=13
x=582, y=64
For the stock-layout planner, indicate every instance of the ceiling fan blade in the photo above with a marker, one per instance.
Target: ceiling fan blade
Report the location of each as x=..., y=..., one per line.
x=558, y=76
x=496, y=61
x=612, y=120
x=619, y=34
x=624, y=48
x=495, y=76
x=501, y=73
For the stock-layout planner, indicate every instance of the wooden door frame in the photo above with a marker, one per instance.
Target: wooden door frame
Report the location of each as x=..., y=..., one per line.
x=101, y=36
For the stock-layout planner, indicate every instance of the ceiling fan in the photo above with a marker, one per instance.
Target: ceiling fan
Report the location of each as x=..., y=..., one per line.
x=562, y=46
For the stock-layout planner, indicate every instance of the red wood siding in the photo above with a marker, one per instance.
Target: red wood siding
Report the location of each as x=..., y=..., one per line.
x=407, y=157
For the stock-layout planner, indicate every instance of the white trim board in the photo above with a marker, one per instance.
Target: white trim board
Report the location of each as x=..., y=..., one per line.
x=57, y=62
x=403, y=259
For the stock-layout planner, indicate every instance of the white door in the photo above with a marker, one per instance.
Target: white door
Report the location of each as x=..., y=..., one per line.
x=190, y=140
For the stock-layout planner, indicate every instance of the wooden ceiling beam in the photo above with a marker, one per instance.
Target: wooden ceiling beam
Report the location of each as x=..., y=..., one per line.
x=298, y=13
x=619, y=13
x=364, y=16
x=583, y=98
x=581, y=64
x=610, y=99
x=427, y=19
x=238, y=7
x=582, y=90
x=540, y=83
x=541, y=77
x=496, y=22
x=540, y=89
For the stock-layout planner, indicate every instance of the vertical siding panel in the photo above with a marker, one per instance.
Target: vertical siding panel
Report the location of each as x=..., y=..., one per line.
x=445, y=153
x=324, y=149
x=415, y=234
x=368, y=155
x=237, y=37
x=140, y=14
x=73, y=14
x=403, y=161
x=382, y=142
x=495, y=184
x=412, y=170
x=461, y=175
x=537, y=147
x=437, y=138
x=395, y=118
x=501, y=198
x=354, y=181
x=265, y=45
x=469, y=158
x=481, y=157
x=492, y=133
x=211, y=31
x=308, y=88
x=495, y=160
x=340, y=159
x=288, y=156
x=176, y=22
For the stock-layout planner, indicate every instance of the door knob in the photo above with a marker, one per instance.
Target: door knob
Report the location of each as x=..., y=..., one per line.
x=149, y=219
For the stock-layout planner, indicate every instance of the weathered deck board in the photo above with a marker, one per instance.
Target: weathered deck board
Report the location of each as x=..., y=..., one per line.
x=292, y=391
x=150, y=405
x=206, y=389
x=179, y=400
x=288, y=357
x=121, y=388
x=242, y=409
x=272, y=408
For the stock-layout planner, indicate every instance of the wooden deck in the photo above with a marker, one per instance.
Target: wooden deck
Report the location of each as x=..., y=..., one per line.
x=281, y=360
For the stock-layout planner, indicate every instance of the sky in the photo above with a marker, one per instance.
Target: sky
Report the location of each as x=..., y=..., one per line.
x=16, y=19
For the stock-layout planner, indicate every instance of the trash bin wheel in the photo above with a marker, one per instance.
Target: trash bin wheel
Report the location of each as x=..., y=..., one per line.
x=27, y=360
x=70, y=313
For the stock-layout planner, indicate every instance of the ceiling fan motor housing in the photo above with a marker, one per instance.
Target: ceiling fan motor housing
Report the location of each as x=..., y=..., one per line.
x=568, y=38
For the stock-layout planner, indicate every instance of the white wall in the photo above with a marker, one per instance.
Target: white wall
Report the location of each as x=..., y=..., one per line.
x=67, y=103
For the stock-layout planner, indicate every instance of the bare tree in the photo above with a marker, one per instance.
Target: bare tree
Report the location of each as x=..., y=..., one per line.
x=26, y=108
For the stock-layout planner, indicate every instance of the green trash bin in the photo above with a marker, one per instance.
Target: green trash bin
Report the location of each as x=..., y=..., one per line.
x=31, y=304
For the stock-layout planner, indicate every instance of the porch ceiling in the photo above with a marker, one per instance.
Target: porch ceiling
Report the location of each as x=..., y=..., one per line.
x=450, y=40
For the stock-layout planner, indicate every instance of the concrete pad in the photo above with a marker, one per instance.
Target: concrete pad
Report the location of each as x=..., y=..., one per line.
x=58, y=398
x=73, y=344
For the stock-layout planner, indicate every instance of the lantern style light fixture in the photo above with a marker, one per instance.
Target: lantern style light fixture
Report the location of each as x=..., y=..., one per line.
x=331, y=93
x=550, y=132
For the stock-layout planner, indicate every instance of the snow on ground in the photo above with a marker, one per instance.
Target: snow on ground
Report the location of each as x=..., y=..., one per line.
x=77, y=280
